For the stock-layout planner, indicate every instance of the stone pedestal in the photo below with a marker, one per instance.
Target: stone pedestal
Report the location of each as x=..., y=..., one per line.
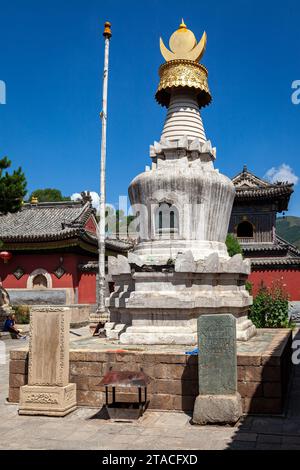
x=218, y=400
x=48, y=391
x=161, y=304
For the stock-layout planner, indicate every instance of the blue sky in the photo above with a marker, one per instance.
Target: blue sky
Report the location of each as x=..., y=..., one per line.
x=51, y=59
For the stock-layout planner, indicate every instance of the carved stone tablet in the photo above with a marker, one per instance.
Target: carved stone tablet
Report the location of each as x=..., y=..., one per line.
x=217, y=355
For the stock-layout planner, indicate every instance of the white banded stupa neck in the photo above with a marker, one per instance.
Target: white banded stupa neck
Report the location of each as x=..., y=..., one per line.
x=183, y=117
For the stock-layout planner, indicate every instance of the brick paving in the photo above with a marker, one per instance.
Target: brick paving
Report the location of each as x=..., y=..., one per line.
x=156, y=430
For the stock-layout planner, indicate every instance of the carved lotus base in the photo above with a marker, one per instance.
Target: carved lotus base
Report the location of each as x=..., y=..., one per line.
x=47, y=400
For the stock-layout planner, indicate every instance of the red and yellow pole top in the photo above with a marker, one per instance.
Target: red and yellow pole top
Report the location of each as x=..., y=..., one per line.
x=107, y=30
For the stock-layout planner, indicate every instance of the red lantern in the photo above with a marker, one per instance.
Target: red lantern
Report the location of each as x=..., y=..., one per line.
x=6, y=256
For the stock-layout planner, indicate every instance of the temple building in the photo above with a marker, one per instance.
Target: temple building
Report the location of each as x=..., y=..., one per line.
x=253, y=221
x=51, y=255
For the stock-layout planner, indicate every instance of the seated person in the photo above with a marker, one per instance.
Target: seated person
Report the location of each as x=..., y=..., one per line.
x=9, y=326
x=99, y=330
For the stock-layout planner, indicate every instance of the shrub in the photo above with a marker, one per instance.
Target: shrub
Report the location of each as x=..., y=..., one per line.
x=233, y=246
x=22, y=313
x=270, y=307
x=248, y=287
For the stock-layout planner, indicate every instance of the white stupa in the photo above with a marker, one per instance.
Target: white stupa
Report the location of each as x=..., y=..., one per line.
x=180, y=267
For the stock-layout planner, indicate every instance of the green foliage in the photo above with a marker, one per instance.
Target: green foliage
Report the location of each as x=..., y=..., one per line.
x=248, y=287
x=48, y=195
x=12, y=187
x=270, y=307
x=22, y=313
x=233, y=246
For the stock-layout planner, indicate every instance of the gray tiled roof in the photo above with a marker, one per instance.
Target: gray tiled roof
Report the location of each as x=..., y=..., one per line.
x=248, y=187
x=45, y=221
x=279, y=253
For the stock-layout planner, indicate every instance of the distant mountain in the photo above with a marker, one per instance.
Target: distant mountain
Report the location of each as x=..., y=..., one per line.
x=289, y=228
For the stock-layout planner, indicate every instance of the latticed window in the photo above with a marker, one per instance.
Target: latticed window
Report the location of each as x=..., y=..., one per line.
x=166, y=220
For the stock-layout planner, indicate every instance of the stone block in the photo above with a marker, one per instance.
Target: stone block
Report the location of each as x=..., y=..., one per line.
x=210, y=409
x=183, y=402
x=49, y=401
x=128, y=356
x=271, y=359
x=241, y=373
x=135, y=259
x=86, y=369
x=49, y=353
x=172, y=387
x=123, y=265
x=90, y=398
x=249, y=360
x=168, y=371
x=173, y=358
x=217, y=355
x=38, y=296
x=18, y=354
x=185, y=262
x=14, y=395
x=17, y=380
x=162, y=402
x=212, y=263
x=253, y=373
x=250, y=389
x=82, y=383
x=18, y=367
x=48, y=391
x=112, y=266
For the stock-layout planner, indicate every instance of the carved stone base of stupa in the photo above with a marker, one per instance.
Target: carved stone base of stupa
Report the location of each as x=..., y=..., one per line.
x=161, y=305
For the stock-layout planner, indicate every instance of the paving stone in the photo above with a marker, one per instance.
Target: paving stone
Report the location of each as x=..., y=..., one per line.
x=245, y=436
x=267, y=446
x=269, y=438
x=294, y=440
x=241, y=445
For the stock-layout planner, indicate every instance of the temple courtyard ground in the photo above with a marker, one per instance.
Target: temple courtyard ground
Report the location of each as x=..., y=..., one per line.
x=155, y=430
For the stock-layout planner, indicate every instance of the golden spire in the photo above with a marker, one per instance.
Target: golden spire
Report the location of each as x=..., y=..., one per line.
x=183, y=46
x=181, y=69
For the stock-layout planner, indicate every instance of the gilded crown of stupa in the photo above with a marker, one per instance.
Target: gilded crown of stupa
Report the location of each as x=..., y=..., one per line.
x=182, y=68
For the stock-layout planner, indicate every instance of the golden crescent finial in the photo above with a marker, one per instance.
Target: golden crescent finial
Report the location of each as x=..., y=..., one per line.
x=183, y=46
x=198, y=51
x=167, y=55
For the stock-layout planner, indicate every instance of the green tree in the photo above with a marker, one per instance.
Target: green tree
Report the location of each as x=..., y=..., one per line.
x=12, y=187
x=48, y=195
x=233, y=246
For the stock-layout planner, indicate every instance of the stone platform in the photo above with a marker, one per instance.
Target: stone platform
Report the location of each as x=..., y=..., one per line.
x=160, y=304
x=264, y=368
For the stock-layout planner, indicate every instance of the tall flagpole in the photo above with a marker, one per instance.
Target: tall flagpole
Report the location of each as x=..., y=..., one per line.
x=101, y=228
